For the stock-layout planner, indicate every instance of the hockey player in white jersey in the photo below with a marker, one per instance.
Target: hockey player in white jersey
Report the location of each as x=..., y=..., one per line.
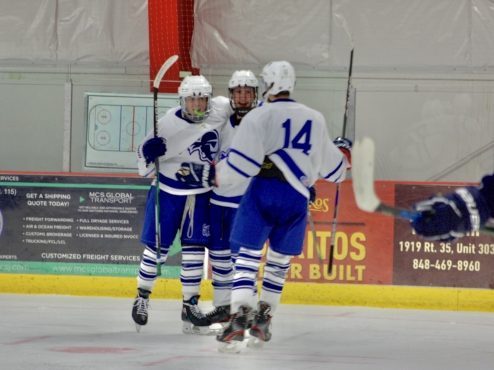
x=284, y=147
x=187, y=135
x=243, y=94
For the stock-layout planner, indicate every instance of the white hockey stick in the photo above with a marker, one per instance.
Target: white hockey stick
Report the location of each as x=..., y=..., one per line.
x=363, y=185
x=156, y=85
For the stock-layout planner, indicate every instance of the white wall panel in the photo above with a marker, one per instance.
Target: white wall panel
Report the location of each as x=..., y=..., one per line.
x=28, y=30
x=103, y=31
x=74, y=31
x=482, y=33
x=387, y=34
x=254, y=32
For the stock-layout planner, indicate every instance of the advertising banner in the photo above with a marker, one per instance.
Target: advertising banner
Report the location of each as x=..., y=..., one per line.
x=467, y=262
x=74, y=225
x=91, y=225
x=363, y=252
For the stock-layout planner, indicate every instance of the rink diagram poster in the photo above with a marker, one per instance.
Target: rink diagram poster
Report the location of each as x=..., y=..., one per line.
x=117, y=123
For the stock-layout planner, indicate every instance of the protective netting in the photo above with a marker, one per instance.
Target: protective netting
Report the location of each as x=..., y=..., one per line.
x=171, y=24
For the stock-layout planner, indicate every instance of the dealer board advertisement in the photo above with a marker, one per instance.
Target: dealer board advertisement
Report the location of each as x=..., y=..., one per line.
x=90, y=225
x=377, y=249
x=74, y=225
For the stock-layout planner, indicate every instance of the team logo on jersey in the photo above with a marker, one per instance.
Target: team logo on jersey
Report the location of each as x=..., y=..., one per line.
x=206, y=146
x=224, y=154
x=205, y=230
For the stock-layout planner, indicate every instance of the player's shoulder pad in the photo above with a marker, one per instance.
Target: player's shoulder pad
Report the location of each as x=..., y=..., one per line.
x=220, y=105
x=220, y=102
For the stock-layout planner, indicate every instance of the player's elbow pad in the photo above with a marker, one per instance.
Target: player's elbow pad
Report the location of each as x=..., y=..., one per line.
x=348, y=156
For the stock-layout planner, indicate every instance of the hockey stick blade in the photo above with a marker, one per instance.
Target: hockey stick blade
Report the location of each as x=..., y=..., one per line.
x=165, y=67
x=363, y=183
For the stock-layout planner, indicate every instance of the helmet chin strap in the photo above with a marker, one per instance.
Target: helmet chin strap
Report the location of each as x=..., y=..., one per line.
x=266, y=90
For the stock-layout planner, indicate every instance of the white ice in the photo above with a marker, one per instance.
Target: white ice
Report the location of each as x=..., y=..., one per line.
x=67, y=332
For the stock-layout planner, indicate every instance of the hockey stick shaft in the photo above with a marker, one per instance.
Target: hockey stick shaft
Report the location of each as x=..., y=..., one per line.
x=338, y=186
x=156, y=85
x=314, y=236
x=407, y=214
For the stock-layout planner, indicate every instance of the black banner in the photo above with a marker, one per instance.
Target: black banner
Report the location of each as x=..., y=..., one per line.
x=467, y=262
x=84, y=219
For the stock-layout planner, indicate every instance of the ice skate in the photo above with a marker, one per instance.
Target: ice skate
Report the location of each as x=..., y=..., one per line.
x=232, y=336
x=260, y=332
x=250, y=318
x=219, y=316
x=194, y=320
x=140, y=308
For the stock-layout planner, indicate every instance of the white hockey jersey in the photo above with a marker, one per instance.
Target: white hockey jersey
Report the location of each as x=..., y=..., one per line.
x=228, y=195
x=296, y=140
x=186, y=142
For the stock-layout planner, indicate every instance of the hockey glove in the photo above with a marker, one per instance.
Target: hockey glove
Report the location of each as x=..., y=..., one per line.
x=153, y=148
x=196, y=175
x=447, y=218
x=345, y=145
x=312, y=196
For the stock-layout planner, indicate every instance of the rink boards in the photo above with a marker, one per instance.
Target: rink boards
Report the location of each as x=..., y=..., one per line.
x=79, y=235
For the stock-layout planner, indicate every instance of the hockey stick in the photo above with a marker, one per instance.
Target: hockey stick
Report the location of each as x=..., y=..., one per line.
x=337, y=195
x=363, y=185
x=314, y=236
x=156, y=85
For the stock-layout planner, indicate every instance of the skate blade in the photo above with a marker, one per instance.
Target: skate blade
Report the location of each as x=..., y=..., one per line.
x=216, y=329
x=188, y=328
x=255, y=342
x=233, y=346
x=138, y=328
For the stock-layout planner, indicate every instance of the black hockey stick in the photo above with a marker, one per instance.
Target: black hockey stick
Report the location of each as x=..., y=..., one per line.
x=363, y=185
x=314, y=236
x=337, y=195
x=156, y=85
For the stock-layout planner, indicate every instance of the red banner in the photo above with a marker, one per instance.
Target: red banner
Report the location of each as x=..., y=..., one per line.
x=377, y=249
x=363, y=251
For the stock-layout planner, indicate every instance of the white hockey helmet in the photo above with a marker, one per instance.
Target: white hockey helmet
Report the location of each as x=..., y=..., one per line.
x=196, y=87
x=277, y=77
x=243, y=79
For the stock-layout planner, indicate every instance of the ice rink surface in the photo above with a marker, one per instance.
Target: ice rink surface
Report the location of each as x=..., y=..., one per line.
x=67, y=332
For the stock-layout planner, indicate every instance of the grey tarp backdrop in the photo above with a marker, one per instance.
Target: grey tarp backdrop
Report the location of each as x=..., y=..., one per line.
x=423, y=72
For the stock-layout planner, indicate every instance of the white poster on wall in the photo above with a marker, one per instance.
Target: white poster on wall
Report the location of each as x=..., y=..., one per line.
x=116, y=124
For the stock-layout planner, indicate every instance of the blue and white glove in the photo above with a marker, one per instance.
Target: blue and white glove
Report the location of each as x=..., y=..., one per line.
x=196, y=175
x=345, y=145
x=312, y=196
x=447, y=218
x=153, y=148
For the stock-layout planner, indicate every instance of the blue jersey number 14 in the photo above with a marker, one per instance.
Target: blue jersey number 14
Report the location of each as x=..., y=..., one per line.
x=301, y=140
